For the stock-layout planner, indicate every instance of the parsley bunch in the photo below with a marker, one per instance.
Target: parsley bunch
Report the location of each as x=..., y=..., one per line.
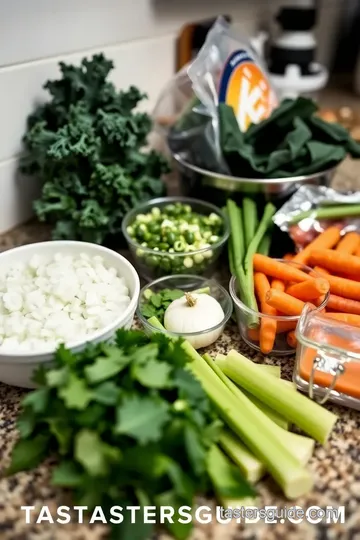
x=128, y=423
x=87, y=147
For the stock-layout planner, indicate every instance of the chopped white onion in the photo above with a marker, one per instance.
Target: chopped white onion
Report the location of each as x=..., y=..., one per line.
x=45, y=303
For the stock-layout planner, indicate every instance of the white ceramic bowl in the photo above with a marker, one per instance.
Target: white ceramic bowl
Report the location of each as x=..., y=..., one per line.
x=17, y=368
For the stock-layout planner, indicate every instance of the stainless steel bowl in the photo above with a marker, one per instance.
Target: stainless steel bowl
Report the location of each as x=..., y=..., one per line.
x=197, y=182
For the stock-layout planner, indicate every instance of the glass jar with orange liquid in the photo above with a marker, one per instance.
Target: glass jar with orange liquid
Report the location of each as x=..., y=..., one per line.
x=328, y=359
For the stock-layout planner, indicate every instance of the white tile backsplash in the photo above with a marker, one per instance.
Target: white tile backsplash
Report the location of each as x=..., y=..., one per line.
x=138, y=35
x=144, y=63
x=30, y=30
x=17, y=195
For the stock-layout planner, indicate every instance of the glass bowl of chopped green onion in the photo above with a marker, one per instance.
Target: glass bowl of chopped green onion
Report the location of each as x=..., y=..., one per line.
x=156, y=297
x=175, y=235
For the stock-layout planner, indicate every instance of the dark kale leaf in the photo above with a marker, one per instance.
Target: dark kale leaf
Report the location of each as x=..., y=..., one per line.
x=87, y=145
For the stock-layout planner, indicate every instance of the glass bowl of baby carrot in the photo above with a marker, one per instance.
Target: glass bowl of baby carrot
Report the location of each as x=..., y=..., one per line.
x=281, y=288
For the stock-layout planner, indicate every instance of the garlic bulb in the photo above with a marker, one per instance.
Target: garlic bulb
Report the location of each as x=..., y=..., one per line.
x=195, y=313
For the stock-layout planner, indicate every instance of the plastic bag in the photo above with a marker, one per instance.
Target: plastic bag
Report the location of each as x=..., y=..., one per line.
x=228, y=70
x=182, y=120
x=174, y=104
x=312, y=209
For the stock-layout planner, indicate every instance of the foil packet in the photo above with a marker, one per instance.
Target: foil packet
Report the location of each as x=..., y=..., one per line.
x=312, y=209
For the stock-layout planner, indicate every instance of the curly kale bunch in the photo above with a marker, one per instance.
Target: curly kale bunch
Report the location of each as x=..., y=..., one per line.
x=87, y=146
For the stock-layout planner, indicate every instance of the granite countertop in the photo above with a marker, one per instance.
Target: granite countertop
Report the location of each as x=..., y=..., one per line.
x=336, y=468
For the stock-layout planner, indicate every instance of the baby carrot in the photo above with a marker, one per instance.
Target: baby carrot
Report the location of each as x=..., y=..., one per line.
x=348, y=318
x=352, y=277
x=278, y=285
x=309, y=290
x=347, y=288
x=291, y=339
x=357, y=252
x=321, y=270
x=262, y=285
x=288, y=256
x=253, y=334
x=284, y=302
x=318, y=301
x=285, y=326
x=349, y=244
x=267, y=329
x=276, y=269
x=326, y=240
x=335, y=261
x=344, y=305
x=267, y=324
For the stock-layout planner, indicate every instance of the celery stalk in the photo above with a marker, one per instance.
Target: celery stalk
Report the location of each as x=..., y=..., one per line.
x=230, y=487
x=229, y=247
x=237, y=253
x=264, y=224
x=249, y=465
x=265, y=244
x=250, y=220
x=256, y=431
x=236, y=237
x=251, y=426
x=301, y=447
x=273, y=415
x=231, y=260
x=297, y=408
x=267, y=368
x=251, y=468
x=290, y=385
x=334, y=212
x=274, y=371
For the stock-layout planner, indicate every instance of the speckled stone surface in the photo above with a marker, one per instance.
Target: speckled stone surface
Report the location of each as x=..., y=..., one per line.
x=336, y=468
x=336, y=471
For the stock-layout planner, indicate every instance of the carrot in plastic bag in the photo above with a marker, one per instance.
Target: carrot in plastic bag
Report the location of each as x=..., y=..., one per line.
x=350, y=243
x=326, y=240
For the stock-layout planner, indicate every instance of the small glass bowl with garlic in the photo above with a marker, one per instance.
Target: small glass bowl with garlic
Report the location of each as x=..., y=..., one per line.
x=187, y=306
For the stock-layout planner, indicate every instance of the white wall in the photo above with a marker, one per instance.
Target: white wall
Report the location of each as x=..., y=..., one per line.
x=138, y=35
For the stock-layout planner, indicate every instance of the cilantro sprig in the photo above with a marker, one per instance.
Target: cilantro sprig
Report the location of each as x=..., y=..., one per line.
x=155, y=304
x=128, y=423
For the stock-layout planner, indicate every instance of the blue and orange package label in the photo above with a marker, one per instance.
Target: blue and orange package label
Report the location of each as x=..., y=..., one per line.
x=244, y=86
